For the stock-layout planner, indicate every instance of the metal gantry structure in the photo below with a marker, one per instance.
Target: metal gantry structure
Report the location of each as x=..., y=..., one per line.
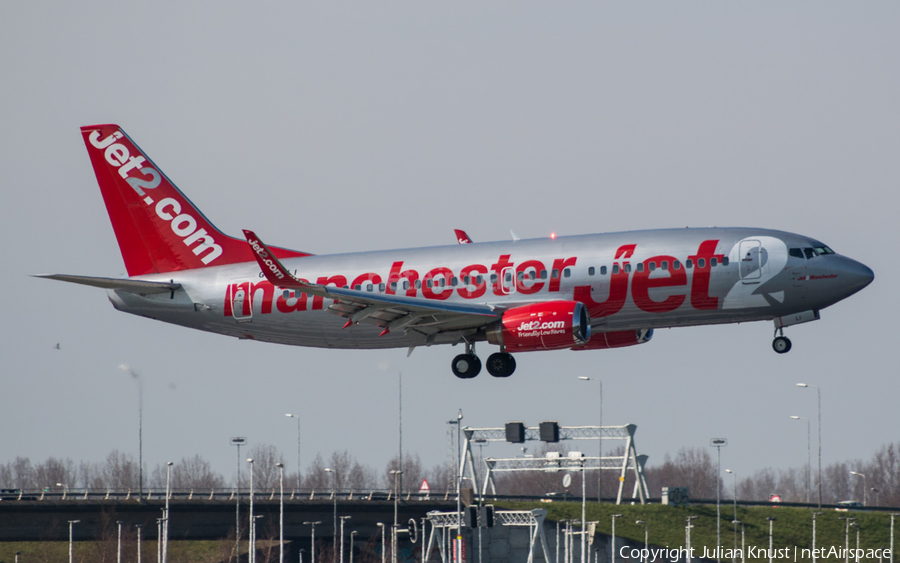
x=443, y=524
x=630, y=461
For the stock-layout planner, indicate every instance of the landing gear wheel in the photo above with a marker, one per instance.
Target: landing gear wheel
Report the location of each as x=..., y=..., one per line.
x=501, y=364
x=781, y=345
x=466, y=366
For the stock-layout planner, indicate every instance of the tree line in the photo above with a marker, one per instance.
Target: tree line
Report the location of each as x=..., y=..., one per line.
x=694, y=468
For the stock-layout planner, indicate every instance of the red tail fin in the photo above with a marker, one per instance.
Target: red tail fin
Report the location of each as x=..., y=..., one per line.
x=158, y=228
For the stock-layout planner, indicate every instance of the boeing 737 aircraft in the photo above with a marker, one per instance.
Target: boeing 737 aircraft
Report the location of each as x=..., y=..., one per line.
x=588, y=292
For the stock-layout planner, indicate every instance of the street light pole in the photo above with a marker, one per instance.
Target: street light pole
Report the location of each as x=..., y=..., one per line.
x=819, y=397
x=252, y=555
x=814, y=514
x=166, y=525
x=808, y=459
x=584, y=534
x=238, y=441
x=865, y=491
x=289, y=415
x=71, y=522
x=342, y=535
x=646, y=536
x=584, y=513
x=600, y=440
x=396, y=473
x=280, y=467
x=313, y=541
x=718, y=443
x=687, y=539
x=771, y=521
x=333, y=496
x=893, y=514
x=352, y=537
x=138, y=526
x=733, y=474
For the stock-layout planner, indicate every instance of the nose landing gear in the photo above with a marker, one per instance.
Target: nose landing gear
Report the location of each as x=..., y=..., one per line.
x=781, y=344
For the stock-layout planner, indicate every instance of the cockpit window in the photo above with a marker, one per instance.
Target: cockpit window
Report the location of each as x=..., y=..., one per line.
x=796, y=252
x=810, y=253
x=820, y=250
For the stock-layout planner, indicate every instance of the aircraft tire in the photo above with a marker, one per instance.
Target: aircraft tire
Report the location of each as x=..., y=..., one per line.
x=501, y=364
x=781, y=344
x=466, y=366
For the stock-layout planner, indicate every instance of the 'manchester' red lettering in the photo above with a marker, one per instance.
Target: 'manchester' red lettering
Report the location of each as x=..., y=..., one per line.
x=528, y=278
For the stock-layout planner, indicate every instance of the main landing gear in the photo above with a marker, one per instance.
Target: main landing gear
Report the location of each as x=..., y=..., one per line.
x=467, y=366
x=781, y=344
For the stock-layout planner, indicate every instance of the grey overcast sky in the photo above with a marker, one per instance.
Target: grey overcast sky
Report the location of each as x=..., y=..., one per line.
x=330, y=127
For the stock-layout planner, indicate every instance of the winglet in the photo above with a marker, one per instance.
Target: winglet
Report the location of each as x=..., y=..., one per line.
x=462, y=237
x=271, y=267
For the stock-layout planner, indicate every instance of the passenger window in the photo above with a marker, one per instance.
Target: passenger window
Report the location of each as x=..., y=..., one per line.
x=543, y=274
x=286, y=294
x=689, y=264
x=555, y=274
x=381, y=287
x=640, y=267
x=453, y=281
x=405, y=284
x=369, y=287
x=508, y=277
x=393, y=286
x=428, y=283
x=724, y=260
x=713, y=262
x=627, y=268
x=591, y=271
x=665, y=265
x=356, y=287
x=493, y=278
x=652, y=266
x=467, y=280
x=602, y=270
x=615, y=268
x=418, y=284
x=478, y=280
x=676, y=265
x=810, y=253
x=521, y=276
x=795, y=252
x=443, y=282
x=567, y=272
x=701, y=263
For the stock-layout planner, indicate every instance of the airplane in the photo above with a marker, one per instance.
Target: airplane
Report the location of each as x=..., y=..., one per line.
x=582, y=293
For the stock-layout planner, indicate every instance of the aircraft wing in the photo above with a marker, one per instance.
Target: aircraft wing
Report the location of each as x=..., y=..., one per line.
x=387, y=311
x=132, y=286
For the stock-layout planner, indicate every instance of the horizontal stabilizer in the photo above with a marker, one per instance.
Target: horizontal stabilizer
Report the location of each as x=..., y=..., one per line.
x=131, y=286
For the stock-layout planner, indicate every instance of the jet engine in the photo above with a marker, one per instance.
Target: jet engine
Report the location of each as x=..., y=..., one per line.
x=551, y=325
x=617, y=339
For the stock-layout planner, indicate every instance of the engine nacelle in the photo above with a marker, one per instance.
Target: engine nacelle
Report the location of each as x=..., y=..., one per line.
x=552, y=325
x=617, y=339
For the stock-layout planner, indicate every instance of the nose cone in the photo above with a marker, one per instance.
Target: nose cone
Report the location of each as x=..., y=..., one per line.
x=854, y=275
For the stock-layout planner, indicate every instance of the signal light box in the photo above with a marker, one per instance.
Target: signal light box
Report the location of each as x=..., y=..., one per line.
x=549, y=431
x=515, y=432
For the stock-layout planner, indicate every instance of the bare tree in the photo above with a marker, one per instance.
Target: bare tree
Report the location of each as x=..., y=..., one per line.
x=413, y=473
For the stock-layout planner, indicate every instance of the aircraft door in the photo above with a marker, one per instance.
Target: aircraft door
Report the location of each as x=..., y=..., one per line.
x=751, y=254
x=241, y=301
x=507, y=281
